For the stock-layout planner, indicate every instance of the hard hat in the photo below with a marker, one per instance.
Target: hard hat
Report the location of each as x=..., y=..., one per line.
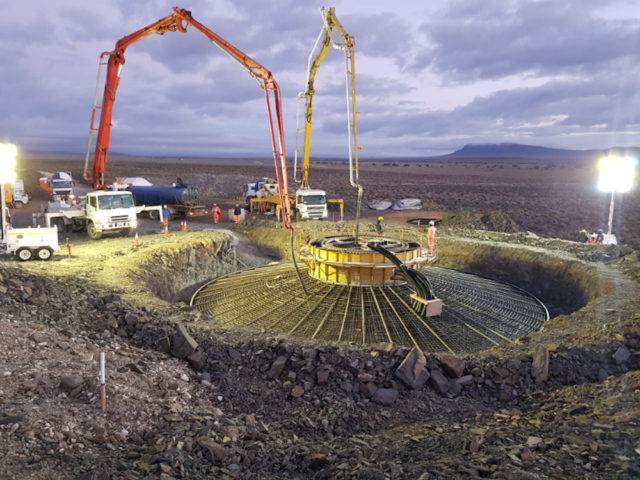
x=215, y=204
x=237, y=205
x=380, y=218
x=165, y=206
x=600, y=231
x=431, y=222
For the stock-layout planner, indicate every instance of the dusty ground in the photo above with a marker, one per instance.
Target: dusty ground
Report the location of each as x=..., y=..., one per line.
x=252, y=404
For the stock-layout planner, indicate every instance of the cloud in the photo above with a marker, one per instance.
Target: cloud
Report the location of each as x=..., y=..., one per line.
x=559, y=74
x=490, y=39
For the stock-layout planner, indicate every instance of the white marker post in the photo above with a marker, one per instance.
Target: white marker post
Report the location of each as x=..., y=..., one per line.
x=102, y=382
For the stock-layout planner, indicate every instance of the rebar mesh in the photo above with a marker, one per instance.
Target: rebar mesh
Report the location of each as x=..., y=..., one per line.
x=477, y=314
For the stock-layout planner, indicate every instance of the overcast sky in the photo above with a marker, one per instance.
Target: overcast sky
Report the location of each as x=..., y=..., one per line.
x=431, y=76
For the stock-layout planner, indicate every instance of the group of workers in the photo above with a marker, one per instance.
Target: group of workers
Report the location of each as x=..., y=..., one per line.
x=166, y=214
x=596, y=239
x=237, y=212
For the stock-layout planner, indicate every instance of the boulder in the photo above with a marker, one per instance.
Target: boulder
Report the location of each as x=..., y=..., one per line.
x=235, y=355
x=163, y=345
x=368, y=389
x=412, y=370
x=216, y=449
x=466, y=381
x=277, y=366
x=439, y=382
x=385, y=396
x=197, y=360
x=183, y=344
x=131, y=319
x=621, y=355
x=456, y=388
x=322, y=378
x=540, y=364
x=452, y=366
x=70, y=382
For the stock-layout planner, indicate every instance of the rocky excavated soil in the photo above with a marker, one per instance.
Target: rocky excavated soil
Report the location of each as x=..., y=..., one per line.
x=188, y=398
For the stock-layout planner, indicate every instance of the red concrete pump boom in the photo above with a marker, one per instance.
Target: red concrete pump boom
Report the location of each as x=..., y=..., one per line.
x=179, y=20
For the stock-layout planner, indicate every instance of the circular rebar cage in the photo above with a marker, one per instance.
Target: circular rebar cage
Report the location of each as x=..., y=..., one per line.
x=477, y=313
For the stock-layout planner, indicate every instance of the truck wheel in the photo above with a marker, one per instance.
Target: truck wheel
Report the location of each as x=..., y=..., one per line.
x=92, y=232
x=45, y=253
x=154, y=214
x=18, y=204
x=24, y=254
x=298, y=216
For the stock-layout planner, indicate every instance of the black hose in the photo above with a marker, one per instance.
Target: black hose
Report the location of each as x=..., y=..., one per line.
x=295, y=264
x=418, y=280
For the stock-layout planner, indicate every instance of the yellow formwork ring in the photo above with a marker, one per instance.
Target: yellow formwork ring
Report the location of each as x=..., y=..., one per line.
x=359, y=266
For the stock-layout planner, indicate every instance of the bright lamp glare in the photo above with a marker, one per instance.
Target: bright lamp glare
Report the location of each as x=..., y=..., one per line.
x=616, y=174
x=7, y=176
x=7, y=155
x=7, y=162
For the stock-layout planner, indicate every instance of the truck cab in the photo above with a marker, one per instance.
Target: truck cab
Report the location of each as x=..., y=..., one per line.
x=99, y=212
x=15, y=194
x=59, y=186
x=109, y=212
x=311, y=205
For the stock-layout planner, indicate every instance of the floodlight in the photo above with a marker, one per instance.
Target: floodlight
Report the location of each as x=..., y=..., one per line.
x=7, y=162
x=7, y=176
x=616, y=174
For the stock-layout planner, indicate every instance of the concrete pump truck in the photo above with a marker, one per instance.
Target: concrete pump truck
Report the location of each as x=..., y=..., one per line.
x=311, y=203
x=112, y=211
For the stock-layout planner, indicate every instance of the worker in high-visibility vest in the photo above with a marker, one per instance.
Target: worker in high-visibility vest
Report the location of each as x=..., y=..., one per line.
x=380, y=227
x=237, y=212
x=431, y=237
x=216, y=213
x=166, y=215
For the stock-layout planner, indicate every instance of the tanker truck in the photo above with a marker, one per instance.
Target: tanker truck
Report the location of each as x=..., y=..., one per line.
x=181, y=200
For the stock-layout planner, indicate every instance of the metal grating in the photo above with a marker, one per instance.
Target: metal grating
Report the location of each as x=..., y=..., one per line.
x=478, y=313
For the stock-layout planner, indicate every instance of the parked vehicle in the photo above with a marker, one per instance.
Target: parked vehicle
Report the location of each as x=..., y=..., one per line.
x=32, y=243
x=15, y=194
x=100, y=212
x=59, y=186
x=181, y=200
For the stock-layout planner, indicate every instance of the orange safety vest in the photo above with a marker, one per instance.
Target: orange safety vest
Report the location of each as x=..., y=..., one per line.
x=431, y=234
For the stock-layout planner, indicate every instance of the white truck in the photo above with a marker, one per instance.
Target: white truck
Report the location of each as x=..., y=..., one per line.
x=307, y=204
x=15, y=194
x=100, y=212
x=59, y=186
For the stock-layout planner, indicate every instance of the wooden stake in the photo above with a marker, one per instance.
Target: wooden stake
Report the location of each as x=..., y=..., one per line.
x=102, y=382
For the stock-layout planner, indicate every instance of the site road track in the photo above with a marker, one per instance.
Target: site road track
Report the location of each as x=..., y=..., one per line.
x=478, y=313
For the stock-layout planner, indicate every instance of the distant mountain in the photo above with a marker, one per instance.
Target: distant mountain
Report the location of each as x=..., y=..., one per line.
x=516, y=150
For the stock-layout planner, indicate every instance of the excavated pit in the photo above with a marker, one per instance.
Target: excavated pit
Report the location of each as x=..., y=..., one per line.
x=479, y=313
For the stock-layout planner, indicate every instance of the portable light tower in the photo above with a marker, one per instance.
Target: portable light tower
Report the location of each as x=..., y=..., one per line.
x=7, y=164
x=616, y=175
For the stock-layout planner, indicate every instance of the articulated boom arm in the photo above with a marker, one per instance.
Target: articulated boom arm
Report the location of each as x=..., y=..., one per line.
x=331, y=25
x=178, y=21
